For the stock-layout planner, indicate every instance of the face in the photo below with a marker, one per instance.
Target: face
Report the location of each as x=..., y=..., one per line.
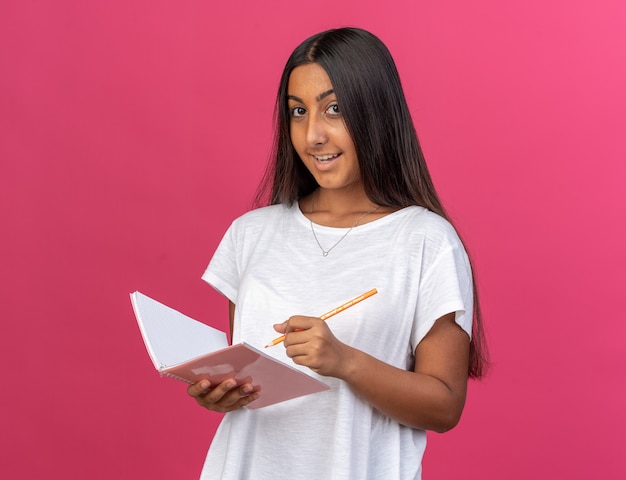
x=318, y=132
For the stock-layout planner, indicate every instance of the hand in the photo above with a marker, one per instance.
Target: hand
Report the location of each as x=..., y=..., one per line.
x=223, y=397
x=309, y=342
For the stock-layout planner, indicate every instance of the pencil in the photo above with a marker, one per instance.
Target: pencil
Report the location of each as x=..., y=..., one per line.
x=334, y=311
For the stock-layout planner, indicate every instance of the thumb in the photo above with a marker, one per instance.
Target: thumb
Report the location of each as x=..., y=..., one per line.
x=280, y=327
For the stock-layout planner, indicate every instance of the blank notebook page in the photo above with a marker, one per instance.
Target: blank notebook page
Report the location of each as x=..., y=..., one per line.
x=170, y=336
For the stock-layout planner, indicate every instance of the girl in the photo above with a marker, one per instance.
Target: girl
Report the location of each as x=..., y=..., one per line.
x=352, y=207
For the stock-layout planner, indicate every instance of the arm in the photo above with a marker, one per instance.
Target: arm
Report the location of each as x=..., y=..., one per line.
x=430, y=397
x=226, y=396
x=231, y=318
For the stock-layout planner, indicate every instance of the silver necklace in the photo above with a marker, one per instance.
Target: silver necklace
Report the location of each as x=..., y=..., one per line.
x=324, y=251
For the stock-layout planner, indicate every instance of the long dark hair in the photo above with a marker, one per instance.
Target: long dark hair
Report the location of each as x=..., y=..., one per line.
x=394, y=172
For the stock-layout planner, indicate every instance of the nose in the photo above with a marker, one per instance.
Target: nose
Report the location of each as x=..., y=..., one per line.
x=316, y=131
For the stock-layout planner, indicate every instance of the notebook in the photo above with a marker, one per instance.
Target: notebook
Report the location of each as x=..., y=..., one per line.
x=188, y=350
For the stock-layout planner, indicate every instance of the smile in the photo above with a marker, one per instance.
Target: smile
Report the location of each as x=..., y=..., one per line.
x=325, y=158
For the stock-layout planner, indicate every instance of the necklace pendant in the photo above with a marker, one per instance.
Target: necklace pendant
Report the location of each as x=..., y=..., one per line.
x=326, y=252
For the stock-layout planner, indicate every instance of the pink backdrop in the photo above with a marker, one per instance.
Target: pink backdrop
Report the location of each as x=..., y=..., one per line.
x=132, y=132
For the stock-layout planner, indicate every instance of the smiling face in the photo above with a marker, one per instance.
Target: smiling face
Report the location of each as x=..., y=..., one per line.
x=317, y=129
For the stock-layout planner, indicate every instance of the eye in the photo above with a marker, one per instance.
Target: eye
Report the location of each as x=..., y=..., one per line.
x=297, y=112
x=333, y=109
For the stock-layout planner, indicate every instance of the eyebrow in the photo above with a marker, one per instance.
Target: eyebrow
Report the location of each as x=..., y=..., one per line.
x=319, y=98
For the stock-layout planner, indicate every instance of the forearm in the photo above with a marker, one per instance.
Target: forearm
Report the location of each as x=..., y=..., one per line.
x=411, y=398
x=431, y=397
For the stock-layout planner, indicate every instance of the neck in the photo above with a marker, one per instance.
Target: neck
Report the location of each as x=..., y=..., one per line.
x=338, y=203
x=338, y=209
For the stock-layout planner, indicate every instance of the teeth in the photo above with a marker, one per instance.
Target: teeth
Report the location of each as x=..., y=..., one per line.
x=324, y=158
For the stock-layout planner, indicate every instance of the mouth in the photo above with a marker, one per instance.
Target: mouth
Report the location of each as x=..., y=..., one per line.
x=326, y=158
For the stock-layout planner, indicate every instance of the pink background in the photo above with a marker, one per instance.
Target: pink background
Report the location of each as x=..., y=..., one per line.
x=132, y=132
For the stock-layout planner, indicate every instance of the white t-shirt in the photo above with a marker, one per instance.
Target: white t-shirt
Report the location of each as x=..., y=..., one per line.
x=271, y=267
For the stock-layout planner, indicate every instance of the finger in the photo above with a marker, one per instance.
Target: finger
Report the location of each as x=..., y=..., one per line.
x=249, y=399
x=280, y=327
x=299, y=322
x=200, y=388
x=315, y=329
x=219, y=392
x=232, y=400
x=290, y=325
x=296, y=337
x=242, y=402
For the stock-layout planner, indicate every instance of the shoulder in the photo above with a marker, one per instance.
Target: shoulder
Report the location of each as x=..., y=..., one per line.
x=261, y=218
x=429, y=226
x=264, y=214
x=430, y=239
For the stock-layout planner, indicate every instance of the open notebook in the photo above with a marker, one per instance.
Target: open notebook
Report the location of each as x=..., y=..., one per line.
x=188, y=350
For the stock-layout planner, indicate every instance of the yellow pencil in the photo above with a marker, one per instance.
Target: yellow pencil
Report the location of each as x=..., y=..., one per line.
x=334, y=311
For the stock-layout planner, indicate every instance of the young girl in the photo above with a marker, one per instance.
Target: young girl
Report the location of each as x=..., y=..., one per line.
x=352, y=207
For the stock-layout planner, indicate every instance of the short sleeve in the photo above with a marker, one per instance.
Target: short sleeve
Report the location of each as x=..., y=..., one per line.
x=445, y=287
x=222, y=272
